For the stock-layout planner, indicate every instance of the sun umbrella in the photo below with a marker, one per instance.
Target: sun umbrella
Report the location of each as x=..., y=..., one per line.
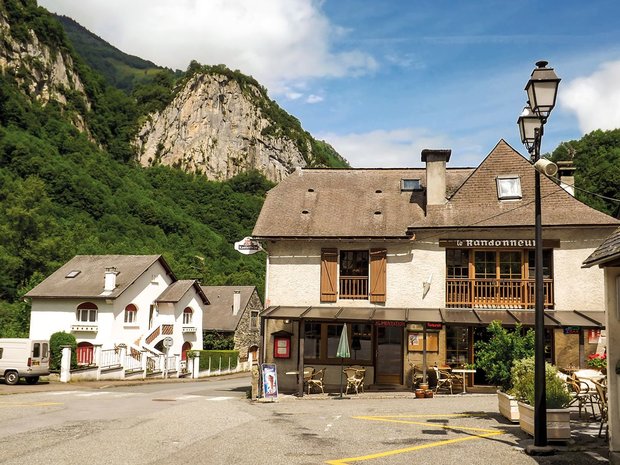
x=343, y=352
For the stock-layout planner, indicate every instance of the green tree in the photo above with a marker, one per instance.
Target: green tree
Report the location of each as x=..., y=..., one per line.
x=496, y=356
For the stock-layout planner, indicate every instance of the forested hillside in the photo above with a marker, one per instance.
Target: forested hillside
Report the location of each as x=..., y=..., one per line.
x=65, y=191
x=596, y=157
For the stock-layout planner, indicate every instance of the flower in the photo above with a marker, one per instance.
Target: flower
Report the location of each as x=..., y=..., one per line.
x=597, y=361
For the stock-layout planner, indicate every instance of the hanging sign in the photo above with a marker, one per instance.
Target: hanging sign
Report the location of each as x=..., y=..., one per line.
x=247, y=246
x=434, y=325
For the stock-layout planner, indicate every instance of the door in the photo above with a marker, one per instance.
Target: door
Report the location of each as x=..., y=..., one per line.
x=389, y=359
x=84, y=353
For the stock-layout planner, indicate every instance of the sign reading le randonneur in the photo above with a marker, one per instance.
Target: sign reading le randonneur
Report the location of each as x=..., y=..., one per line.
x=247, y=246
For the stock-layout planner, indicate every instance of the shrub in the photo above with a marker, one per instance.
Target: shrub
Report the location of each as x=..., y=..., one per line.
x=557, y=395
x=497, y=355
x=57, y=340
x=218, y=358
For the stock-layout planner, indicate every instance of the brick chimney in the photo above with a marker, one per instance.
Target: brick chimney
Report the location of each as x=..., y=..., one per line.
x=566, y=173
x=236, y=302
x=436, y=160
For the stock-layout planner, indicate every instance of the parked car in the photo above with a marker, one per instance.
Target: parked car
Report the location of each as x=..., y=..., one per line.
x=24, y=358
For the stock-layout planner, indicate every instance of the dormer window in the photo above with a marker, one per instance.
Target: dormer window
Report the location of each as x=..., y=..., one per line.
x=508, y=187
x=410, y=185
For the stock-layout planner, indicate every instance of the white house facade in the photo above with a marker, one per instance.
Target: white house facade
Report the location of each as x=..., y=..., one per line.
x=404, y=256
x=107, y=301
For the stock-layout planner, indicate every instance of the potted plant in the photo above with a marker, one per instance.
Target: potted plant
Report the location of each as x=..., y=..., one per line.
x=557, y=399
x=598, y=362
x=496, y=357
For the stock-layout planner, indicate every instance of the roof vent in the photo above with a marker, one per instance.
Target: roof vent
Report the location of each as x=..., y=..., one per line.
x=310, y=190
x=377, y=213
x=378, y=191
x=305, y=212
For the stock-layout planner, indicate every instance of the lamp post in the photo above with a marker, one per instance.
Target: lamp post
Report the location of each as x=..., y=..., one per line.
x=542, y=90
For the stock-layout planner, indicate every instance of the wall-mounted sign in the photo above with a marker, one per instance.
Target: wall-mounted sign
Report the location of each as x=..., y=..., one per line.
x=571, y=330
x=434, y=325
x=594, y=336
x=247, y=246
x=497, y=243
x=390, y=323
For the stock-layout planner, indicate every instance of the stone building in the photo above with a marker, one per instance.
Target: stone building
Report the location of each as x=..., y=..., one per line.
x=424, y=256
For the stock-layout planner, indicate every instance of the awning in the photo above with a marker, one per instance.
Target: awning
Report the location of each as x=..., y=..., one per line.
x=449, y=316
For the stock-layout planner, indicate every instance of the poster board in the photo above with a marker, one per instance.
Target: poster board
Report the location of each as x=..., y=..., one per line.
x=270, y=381
x=415, y=341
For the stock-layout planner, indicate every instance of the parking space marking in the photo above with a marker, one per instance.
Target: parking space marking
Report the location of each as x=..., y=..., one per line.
x=481, y=434
x=30, y=404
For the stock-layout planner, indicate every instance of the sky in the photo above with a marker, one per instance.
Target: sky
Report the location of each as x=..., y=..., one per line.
x=382, y=80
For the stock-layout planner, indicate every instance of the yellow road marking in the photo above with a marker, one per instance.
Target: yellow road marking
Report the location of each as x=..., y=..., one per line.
x=33, y=404
x=400, y=419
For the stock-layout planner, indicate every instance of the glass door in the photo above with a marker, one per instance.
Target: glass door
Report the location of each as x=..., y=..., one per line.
x=389, y=360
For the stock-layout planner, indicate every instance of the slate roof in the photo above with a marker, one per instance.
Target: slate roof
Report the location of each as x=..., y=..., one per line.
x=175, y=292
x=219, y=315
x=88, y=283
x=608, y=253
x=369, y=203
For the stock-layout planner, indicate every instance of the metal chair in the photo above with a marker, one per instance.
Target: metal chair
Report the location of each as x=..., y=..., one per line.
x=316, y=380
x=308, y=372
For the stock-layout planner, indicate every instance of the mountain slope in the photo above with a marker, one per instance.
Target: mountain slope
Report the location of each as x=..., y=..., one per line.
x=120, y=69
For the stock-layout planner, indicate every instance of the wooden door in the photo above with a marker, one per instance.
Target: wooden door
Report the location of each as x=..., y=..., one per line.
x=389, y=351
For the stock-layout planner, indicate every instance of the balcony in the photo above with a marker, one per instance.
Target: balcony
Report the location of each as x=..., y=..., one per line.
x=354, y=287
x=496, y=293
x=84, y=327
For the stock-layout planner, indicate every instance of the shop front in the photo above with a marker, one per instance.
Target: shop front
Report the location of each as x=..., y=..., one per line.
x=388, y=343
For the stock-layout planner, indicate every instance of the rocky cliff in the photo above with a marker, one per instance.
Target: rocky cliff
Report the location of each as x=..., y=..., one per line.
x=33, y=54
x=219, y=126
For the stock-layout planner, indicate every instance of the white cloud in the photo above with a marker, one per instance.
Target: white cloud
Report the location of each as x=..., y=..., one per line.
x=595, y=99
x=314, y=98
x=274, y=40
x=398, y=148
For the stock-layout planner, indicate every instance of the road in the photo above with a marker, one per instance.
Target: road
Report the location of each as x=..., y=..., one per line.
x=212, y=422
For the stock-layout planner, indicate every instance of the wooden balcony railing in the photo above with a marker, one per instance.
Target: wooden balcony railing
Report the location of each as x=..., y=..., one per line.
x=495, y=293
x=353, y=287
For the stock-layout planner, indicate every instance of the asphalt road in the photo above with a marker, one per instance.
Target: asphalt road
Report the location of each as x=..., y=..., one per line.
x=212, y=422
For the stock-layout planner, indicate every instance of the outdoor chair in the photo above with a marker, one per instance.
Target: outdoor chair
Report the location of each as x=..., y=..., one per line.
x=601, y=391
x=316, y=381
x=416, y=376
x=308, y=372
x=581, y=393
x=445, y=380
x=355, y=379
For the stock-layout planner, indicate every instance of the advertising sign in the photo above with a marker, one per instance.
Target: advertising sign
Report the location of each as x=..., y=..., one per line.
x=247, y=246
x=270, y=381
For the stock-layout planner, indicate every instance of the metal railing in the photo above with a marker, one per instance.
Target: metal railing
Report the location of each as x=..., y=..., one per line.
x=496, y=293
x=110, y=358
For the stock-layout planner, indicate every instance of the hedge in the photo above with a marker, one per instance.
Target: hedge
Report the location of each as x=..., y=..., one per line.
x=215, y=356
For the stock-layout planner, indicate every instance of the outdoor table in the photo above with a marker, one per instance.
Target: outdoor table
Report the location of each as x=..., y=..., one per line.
x=463, y=371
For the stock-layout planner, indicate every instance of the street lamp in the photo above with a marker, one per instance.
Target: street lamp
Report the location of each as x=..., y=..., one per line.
x=542, y=91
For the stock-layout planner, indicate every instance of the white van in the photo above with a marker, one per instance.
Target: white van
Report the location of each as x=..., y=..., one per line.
x=24, y=358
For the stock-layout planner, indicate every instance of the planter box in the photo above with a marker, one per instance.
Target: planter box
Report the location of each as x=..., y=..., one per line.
x=558, y=422
x=508, y=406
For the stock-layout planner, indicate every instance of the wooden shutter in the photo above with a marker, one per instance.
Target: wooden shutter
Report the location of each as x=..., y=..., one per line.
x=329, y=275
x=378, y=262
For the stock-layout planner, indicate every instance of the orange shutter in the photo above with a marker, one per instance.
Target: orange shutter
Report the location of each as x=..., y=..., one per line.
x=378, y=263
x=329, y=270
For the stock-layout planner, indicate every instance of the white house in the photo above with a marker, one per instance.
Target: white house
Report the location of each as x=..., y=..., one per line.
x=435, y=253
x=110, y=300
